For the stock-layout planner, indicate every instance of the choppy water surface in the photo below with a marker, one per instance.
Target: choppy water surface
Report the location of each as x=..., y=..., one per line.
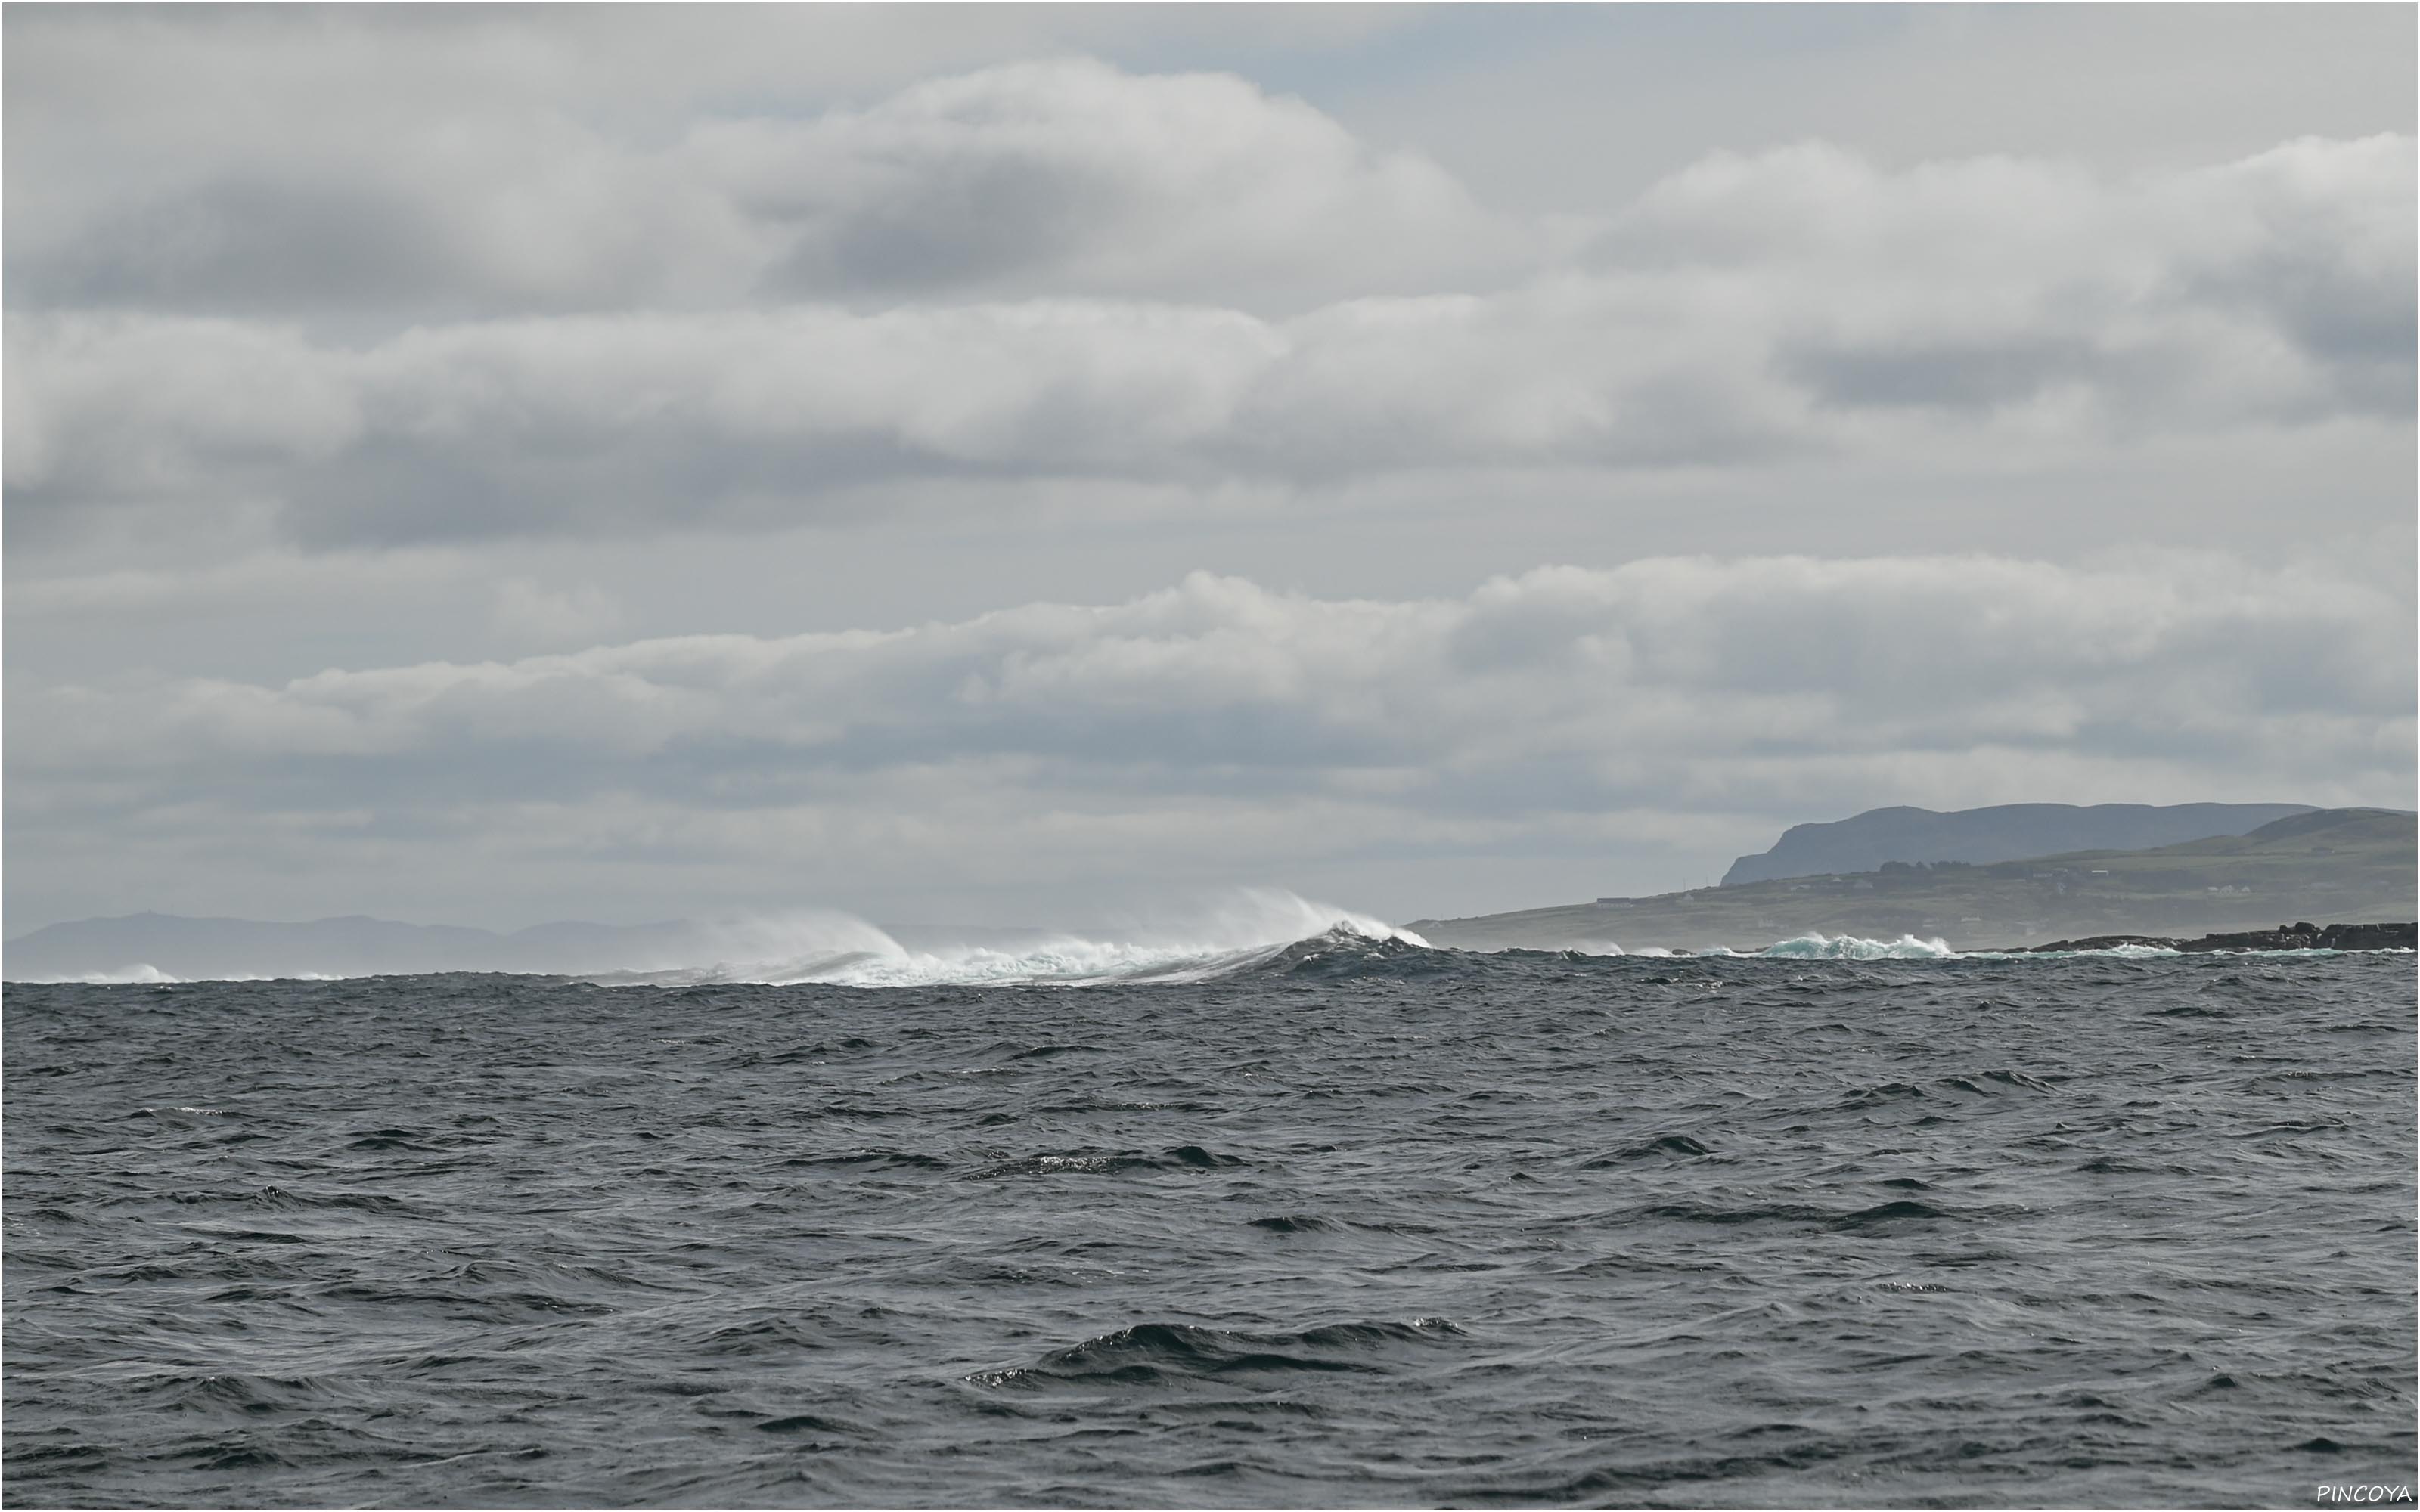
x=1361, y=1222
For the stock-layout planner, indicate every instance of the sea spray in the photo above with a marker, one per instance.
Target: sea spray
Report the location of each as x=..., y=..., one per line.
x=1852, y=947
x=1227, y=933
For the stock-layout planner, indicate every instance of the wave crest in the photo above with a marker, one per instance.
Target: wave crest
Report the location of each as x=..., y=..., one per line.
x=142, y=975
x=1253, y=928
x=1156, y=1354
x=1814, y=947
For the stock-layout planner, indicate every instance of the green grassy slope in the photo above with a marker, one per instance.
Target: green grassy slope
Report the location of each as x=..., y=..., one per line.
x=2334, y=865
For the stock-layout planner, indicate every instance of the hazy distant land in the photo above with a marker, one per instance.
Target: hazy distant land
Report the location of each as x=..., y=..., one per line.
x=175, y=945
x=2336, y=865
x=2328, y=865
x=2004, y=832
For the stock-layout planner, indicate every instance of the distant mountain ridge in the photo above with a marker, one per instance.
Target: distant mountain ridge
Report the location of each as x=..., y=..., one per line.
x=2340, y=865
x=175, y=945
x=2345, y=866
x=355, y=945
x=2004, y=832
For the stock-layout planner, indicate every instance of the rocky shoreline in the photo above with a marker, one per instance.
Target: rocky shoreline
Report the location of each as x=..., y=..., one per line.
x=2304, y=936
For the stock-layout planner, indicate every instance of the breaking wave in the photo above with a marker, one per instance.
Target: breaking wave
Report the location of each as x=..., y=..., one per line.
x=1279, y=933
x=143, y=974
x=1255, y=928
x=1818, y=947
x=135, y=975
x=1253, y=931
x=1850, y=947
x=2114, y=952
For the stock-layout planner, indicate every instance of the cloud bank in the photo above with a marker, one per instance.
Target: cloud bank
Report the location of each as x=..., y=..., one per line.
x=356, y=358
x=1047, y=273
x=1021, y=178
x=1217, y=721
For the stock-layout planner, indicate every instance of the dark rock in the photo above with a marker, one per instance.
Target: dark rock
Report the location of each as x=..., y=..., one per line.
x=2301, y=935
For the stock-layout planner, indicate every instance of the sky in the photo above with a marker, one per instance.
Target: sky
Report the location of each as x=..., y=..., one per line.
x=1004, y=466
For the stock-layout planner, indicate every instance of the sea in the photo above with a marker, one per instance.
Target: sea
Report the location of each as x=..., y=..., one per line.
x=1344, y=1220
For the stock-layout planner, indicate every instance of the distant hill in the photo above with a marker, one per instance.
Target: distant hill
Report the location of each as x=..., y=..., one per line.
x=2006, y=832
x=175, y=946
x=2328, y=865
x=347, y=946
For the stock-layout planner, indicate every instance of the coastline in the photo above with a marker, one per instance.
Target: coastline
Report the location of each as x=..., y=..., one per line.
x=2298, y=936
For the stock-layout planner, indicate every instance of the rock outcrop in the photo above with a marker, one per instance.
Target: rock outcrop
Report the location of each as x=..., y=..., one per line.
x=2302, y=937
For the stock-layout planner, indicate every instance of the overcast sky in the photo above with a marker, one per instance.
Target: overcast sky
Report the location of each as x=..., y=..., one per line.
x=483, y=466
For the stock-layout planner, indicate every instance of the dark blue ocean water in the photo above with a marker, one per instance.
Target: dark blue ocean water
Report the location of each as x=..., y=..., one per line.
x=1362, y=1224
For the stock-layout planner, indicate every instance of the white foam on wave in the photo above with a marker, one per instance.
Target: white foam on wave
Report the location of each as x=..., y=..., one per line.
x=2117, y=952
x=1852, y=947
x=133, y=975
x=1229, y=934
x=145, y=974
x=1820, y=946
x=1909, y=947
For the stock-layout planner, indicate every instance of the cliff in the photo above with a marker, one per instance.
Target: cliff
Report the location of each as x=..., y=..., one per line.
x=2007, y=832
x=2334, y=863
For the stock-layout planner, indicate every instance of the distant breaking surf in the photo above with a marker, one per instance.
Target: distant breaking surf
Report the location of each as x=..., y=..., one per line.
x=841, y=951
x=1256, y=927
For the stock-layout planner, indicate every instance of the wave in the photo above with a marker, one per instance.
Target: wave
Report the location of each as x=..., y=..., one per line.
x=143, y=974
x=133, y=975
x=1251, y=930
x=2113, y=952
x=1819, y=947
x=1254, y=928
x=1331, y=944
x=1850, y=947
x=1161, y=1354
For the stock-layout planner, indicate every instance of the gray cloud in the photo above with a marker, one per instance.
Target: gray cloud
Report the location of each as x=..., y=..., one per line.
x=1764, y=686
x=1022, y=178
x=1800, y=302
x=1053, y=176
x=414, y=343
